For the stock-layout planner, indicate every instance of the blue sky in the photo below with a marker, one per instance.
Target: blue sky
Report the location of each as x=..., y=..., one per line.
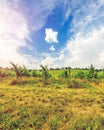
x=57, y=33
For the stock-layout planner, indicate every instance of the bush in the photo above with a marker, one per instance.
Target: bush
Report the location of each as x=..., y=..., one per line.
x=64, y=74
x=45, y=72
x=33, y=73
x=80, y=75
x=24, y=71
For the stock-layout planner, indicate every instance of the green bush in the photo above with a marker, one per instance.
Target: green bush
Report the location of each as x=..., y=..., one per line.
x=80, y=75
x=64, y=74
x=33, y=73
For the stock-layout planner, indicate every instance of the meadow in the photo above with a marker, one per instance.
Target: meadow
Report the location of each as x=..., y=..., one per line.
x=64, y=99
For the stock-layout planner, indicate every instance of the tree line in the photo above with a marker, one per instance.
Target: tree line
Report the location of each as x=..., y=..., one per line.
x=89, y=74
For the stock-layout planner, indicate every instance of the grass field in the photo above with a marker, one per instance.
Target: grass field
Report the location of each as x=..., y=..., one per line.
x=35, y=105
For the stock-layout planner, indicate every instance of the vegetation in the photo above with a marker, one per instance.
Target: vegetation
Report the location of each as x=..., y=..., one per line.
x=16, y=69
x=70, y=99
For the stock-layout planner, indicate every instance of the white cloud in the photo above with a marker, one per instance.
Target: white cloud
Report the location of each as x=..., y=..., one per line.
x=12, y=33
x=48, y=61
x=52, y=48
x=61, y=56
x=51, y=36
x=81, y=51
x=16, y=24
x=84, y=50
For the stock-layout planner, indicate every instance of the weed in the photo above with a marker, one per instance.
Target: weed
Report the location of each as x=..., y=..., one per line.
x=15, y=124
x=36, y=123
x=54, y=124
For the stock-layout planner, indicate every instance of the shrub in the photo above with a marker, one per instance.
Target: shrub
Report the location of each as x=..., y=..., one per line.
x=24, y=71
x=91, y=72
x=64, y=74
x=45, y=73
x=80, y=75
x=33, y=73
x=16, y=70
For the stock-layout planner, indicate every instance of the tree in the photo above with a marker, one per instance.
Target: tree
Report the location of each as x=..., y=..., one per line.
x=91, y=72
x=24, y=71
x=45, y=73
x=65, y=73
x=16, y=69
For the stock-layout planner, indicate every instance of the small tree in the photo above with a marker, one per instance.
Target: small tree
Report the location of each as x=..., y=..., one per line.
x=24, y=71
x=64, y=74
x=16, y=69
x=45, y=73
x=91, y=72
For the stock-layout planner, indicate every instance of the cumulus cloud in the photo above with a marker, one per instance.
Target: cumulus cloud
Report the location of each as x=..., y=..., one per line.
x=51, y=36
x=13, y=32
x=48, y=61
x=61, y=56
x=52, y=48
x=84, y=50
x=16, y=25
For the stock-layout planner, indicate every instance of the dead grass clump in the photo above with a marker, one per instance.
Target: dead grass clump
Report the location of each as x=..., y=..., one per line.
x=17, y=82
x=13, y=82
x=74, y=84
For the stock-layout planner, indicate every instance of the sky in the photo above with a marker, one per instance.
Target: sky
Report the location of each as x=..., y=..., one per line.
x=56, y=33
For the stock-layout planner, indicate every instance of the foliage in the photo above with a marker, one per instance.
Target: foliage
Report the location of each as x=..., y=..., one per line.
x=101, y=74
x=16, y=69
x=45, y=73
x=65, y=73
x=33, y=73
x=2, y=74
x=80, y=74
x=24, y=71
x=91, y=73
x=20, y=71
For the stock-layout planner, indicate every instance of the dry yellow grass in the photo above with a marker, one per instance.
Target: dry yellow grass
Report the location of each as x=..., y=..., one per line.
x=32, y=106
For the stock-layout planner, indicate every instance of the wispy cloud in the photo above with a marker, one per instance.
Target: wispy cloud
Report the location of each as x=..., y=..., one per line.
x=36, y=12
